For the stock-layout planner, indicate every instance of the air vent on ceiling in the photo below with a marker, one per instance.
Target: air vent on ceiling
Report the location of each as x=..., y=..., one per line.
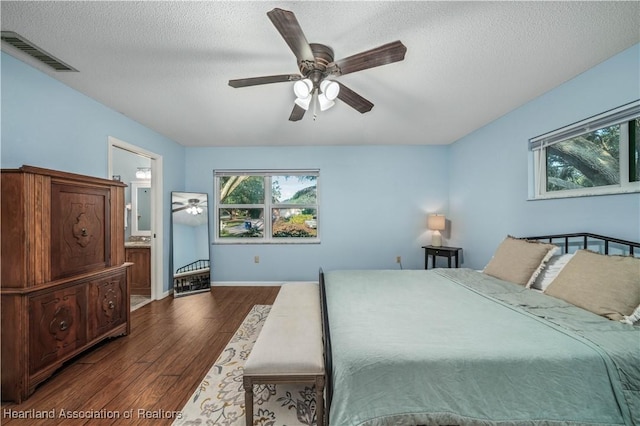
x=24, y=45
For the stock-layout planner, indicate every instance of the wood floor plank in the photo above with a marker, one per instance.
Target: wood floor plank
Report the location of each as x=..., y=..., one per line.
x=113, y=388
x=172, y=345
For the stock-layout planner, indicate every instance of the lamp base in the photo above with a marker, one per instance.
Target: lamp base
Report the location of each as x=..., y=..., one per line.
x=436, y=239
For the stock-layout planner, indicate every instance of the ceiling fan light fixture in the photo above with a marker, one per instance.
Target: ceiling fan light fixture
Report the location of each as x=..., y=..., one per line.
x=304, y=102
x=325, y=102
x=330, y=89
x=143, y=173
x=302, y=88
x=194, y=210
x=315, y=62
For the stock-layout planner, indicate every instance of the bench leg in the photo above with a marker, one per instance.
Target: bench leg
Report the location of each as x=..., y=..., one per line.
x=247, y=383
x=320, y=401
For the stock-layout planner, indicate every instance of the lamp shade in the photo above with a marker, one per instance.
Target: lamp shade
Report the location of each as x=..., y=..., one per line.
x=143, y=173
x=325, y=103
x=302, y=88
x=436, y=222
x=330, y=89
x=303, y=102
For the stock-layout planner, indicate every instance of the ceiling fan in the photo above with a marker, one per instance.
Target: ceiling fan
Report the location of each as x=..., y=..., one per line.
x=193, y=206
x=317, y=65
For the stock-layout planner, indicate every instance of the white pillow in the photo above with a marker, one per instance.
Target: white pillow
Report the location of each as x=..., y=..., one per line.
x=550, y=271
x=633, y=318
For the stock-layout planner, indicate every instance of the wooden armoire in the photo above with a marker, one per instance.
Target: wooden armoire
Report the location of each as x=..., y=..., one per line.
x=64, y=284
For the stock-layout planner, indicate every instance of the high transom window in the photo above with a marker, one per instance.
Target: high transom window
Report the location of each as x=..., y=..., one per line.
x=595, y=156
x=266, y=206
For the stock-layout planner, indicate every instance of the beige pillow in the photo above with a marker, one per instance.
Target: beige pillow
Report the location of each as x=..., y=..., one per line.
x=605, y=285
x=519, y=261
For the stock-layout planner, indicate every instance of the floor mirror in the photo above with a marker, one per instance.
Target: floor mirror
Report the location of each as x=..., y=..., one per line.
x=190, y=243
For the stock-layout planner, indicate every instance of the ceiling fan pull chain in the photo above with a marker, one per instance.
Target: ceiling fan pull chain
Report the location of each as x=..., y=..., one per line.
x=315, y=105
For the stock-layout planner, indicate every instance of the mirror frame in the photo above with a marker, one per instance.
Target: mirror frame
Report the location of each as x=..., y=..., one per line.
x=135, y=185
x=197, y=275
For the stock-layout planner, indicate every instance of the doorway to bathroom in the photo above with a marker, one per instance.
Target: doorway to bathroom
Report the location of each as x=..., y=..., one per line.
x=141, y=170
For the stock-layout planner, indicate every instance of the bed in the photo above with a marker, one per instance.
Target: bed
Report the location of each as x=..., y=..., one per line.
x=192, y=278
x=459, y=346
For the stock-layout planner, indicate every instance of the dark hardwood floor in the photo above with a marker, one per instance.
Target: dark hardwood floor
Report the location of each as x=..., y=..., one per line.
x=149, y=373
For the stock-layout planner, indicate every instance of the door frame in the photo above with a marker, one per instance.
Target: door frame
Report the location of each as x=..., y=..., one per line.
x=157, y=216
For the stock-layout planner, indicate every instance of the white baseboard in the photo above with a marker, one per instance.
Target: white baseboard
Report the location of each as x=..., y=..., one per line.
x=166, y=294
x=252, y=283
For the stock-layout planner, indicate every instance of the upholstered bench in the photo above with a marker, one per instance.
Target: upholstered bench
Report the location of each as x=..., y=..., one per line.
x=289, y=348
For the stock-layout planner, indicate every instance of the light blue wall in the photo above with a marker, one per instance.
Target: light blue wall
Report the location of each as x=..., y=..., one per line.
x=185, y=240
x=373, y=206
x=488, y=174
x=47, y=124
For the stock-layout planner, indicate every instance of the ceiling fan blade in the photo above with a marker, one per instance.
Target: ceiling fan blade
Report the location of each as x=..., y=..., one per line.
x=289, y=28
x=297, y=113
x=382, y=55
x=354, y=100
x=182, y=206
x=254, y=81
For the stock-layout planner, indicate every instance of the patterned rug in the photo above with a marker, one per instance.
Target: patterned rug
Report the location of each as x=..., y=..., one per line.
x=219, y=400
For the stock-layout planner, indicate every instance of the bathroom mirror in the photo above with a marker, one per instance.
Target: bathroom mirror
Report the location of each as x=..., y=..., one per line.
x=190, y=243
x=141, y=208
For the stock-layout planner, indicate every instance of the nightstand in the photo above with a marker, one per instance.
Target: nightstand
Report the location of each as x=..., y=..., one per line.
x=441, y=251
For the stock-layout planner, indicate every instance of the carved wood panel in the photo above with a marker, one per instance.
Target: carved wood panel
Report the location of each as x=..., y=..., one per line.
x=57, y=325
x=80, y=237
x=107, y=297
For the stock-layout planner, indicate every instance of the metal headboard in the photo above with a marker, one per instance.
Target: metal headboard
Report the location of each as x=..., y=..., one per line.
x=587, y=238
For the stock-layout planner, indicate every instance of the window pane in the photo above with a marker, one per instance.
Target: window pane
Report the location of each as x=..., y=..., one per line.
x=293, y=189
x=589, y=160
x=241, y=190
x=239, y=223
x=299, y=223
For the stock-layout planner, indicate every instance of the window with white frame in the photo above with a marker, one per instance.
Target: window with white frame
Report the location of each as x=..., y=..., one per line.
x=595, y=156
x=266, y=206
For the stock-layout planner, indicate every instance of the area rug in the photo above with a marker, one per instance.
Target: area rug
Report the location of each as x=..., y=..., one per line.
x=219, y=400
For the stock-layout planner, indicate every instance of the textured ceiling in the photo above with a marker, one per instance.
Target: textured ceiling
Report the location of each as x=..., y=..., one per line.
x=167, y=64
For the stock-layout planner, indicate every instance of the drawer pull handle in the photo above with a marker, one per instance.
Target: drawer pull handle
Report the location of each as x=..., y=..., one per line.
x=63, y=325
x=84, y=232
x=111, y=305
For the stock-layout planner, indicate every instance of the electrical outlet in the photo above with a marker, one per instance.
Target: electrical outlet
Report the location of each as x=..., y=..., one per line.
x=398, y=259
x=256, y=259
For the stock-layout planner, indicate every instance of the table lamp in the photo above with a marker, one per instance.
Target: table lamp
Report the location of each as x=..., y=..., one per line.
x=436, y=223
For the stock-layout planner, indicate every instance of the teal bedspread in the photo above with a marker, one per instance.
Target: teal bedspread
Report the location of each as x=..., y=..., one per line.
x=455, y=346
